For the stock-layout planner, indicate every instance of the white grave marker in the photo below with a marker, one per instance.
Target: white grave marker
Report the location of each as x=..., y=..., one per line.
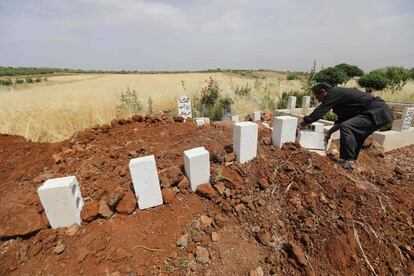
x=235, y=118
x=145, y=180
x=256, y=116
x=284, y=130
x=405, y=123
x=311, y=140
x=197, y=166
x=317, y=127
x=62, y=200
x=291, y=102
x=245, y=141
x=184, y=107
x=306, y=101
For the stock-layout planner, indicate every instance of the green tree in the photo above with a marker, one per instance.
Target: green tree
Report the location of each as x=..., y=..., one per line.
x=374, y=80
x=351, y=71
x=397, y=77
x=333, y=76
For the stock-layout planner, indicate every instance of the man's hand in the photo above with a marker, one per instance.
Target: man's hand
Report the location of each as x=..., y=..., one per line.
x=300, y=127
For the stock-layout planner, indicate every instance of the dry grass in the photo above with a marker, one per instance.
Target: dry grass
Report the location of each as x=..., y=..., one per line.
x=54, y=110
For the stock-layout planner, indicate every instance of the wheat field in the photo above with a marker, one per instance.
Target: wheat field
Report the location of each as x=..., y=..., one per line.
x=54, y=110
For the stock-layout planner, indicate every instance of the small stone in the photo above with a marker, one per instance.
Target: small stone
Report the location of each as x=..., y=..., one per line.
x=296, y=252
x=230, y=157
x=257, y=272
x=128, y=204
x=264, y=237
x=123, y=171
x=183, y=241
x=59, y=248
x=239, y=207
x=89, y=211
x=168, y=195
x=115, y=197
x=232, y=177
x=214, y=236
x=205, y=221
x=202, y=255
x=206, y=190
x=57, y=158
x=104, y=210
x=226, y=206
x=220, y=187
x=72, y=230
x=178, y=119
x=263, y=183
x=183, y=184
x=82, y=253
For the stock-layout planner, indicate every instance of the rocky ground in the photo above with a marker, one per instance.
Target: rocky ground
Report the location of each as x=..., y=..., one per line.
x=288, y=211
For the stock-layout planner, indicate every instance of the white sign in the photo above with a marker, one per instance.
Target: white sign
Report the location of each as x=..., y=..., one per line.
x=407, y=118
x=184, y=107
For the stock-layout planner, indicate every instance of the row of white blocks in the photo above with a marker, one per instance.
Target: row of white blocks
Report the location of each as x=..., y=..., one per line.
x=292, y=102
x=62, y=200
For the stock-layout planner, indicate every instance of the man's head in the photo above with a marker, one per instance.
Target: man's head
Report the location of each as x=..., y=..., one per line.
x=321, y=90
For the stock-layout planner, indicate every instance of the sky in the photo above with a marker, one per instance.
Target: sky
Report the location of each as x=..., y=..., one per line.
x=202, y=34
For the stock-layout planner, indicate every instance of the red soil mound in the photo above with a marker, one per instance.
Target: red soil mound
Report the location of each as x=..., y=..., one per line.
x=288, y=211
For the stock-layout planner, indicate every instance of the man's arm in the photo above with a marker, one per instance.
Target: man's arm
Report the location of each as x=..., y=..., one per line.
x=328, y=134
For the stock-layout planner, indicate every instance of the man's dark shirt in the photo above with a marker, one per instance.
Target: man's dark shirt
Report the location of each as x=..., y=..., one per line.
x=349, y=102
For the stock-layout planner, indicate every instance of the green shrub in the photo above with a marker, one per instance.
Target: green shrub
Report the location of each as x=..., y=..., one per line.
x=374, y=80
x=29, y=80
x=330, y=116
x=387, y=127
x=6, y=82
x=150, y=102
x=411, y=72
x=210, y=94
x=38, y=80
x=293, y=76
x=350, y=70
x=333, y=76
x=19, y=81
x=129, y=103
x=243, y=91
x=44, y=79
x=268, y=103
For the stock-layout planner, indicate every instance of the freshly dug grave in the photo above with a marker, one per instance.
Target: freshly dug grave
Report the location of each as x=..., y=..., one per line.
x=288, y=211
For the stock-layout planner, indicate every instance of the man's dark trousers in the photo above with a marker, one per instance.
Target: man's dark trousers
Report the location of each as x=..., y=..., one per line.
x=354, y=131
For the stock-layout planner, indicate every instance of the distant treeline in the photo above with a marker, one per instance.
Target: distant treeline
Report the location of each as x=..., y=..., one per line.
x=18, y=71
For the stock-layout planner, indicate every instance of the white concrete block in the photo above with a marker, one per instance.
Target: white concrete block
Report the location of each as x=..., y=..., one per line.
x=284, y=130
x=311, y=140
x=206, y=120
x=335, y=136
x=197, y=166
x=404, y=123
x=245, y=136
x=145, y=180
x=62, y=200
x=200, y=121
x=306, y=100
x=291, y=102
x=392, y=139
x=256, y=116
x=317, y=127
x=235, y=118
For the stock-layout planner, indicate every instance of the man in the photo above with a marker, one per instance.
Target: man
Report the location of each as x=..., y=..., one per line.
x=359, y=115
